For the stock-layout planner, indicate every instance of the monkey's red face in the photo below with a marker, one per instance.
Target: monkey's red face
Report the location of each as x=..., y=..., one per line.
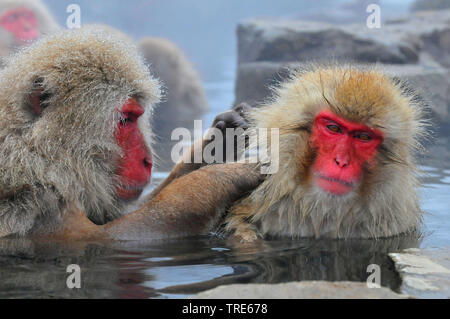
x=22, y=23
x=343, y=148
x=136, y=164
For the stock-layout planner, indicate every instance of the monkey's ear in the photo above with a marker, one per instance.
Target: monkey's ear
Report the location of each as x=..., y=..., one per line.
x=38, y=98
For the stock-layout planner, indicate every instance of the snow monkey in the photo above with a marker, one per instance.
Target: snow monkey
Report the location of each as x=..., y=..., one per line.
x=22, y=22
x=75, y=152
x=184, y=99
x=348, y=137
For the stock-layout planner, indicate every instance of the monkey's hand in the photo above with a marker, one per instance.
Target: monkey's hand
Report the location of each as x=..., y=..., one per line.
x=235, y=122
x=245, y=235
x=232, y=119
x=191, y=205
x=237, y=223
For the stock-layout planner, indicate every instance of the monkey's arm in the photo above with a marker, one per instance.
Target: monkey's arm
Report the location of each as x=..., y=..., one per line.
x=183, y=167
x=190, y=205
x=234, y=118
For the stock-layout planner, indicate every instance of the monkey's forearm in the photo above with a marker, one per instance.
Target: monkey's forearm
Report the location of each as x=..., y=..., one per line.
x=190, y=205
x=184, y=166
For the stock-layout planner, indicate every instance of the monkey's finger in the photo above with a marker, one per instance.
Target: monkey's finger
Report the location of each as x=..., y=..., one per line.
x=221, y=125
x=232, y=120
x=242, y=108
x=239, y=122
x=221, y=117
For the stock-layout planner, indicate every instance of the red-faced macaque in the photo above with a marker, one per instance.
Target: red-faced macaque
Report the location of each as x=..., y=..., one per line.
x=184, y=99
x=75, y=147
x=347, y=140
x=22, y=22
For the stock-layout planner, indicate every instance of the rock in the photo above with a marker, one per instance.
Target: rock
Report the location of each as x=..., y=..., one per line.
x=288, y=41
x=437, y=43
x=300, y=290
x=431, y=81
x=430, y=5
x=425, y=273
x=428, y=32
x=399, y=41
x=254, y=80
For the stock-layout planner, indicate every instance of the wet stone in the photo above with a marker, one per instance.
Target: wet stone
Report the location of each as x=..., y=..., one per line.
x=300, y=290
x=425, y=272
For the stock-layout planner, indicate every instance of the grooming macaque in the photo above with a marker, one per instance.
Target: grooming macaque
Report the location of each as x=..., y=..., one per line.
x=346, y=151
x=22, y=22
x=75, y=153
x=184, y=99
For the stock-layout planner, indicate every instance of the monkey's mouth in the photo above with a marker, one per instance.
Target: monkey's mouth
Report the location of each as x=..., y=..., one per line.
x=130, y=192
x=27, y=37
x=333, y=185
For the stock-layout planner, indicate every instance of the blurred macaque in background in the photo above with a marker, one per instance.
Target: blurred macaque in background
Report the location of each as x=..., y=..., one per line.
x=184, y=98
x=22, y=22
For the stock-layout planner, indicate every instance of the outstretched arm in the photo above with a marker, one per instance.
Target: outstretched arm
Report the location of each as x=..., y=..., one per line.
x=190, y=205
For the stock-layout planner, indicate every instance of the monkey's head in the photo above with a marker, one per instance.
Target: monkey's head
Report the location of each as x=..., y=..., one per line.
x=75, y=120
x=24, y=21
x=348, y=136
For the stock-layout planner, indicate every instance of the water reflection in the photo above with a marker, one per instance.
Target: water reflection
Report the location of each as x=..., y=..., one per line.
x=183, y=267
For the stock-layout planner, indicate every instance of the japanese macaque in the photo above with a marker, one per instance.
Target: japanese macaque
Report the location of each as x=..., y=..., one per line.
x=184, y=99
x=22, y=22
x=75, y=152
x=347, y=140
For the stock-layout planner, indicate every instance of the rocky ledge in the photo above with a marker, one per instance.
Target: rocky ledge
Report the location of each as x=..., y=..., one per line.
x=300, y=290
x=425, y=273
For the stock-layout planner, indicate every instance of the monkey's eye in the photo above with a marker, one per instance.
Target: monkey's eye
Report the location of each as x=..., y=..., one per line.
x=127, y=118
x=12, y=17
x=363, y=136
x=334, y=128
x=125, y=121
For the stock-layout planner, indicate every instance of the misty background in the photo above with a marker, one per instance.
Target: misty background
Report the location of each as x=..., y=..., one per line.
x=206, y=29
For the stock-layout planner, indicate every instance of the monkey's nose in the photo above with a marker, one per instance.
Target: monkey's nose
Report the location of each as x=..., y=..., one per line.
x=147, y=162
x=341, y=163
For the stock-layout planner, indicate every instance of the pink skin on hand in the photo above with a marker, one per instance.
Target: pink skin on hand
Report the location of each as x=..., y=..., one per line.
x=135, y=168
x=343, y=147
x=22, y=23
